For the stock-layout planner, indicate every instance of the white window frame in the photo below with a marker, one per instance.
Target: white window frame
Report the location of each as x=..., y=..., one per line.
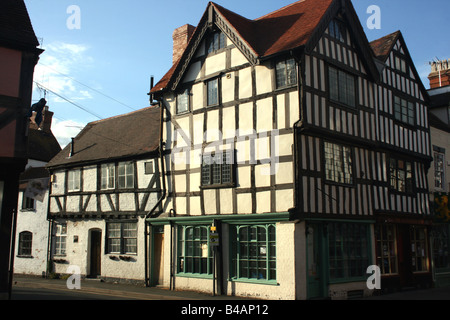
x=128, y=171
x=74, y=180
x=60, y=239
x=108, y=176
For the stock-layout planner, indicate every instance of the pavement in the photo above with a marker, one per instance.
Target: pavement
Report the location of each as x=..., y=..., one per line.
x=140, y=292
x=117, y=290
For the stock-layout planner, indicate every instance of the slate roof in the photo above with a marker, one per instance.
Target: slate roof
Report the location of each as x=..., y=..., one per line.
x=282, y=30
x=126, y=136
x=15, y=24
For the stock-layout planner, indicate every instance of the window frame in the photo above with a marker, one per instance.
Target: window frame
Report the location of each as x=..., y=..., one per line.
x=400, y=108
x=127, y=174
x=74, y=180
x=28, y=204
x=209, y=101
x=419, y=258
x=408, y=186
x=347, y=250
x=342, y=87
x=265, y=260
x=439, y=167
x=60, y=239
x=121, y=237
x=216, y=41
x=386, y=248
x=346, y=167
x=337, y=31
x=191, y=251
x=106, y=168
x=225, y=169
x=183, y=96
x=25, y=246
x=289, y=73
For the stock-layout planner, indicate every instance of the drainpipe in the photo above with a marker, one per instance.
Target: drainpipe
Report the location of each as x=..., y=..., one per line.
x=161, y=198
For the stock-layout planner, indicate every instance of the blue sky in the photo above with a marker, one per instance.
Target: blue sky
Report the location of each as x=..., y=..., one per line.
x=104, y=66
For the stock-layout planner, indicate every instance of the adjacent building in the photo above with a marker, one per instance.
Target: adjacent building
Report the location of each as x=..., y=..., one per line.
x=439, y=174
x=32, y=226
x=18, y=56
x=296, y=156
x=102, y=186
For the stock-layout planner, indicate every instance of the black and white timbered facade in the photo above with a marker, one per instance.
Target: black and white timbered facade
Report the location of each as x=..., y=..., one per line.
x=305, y=150
x=103, y=185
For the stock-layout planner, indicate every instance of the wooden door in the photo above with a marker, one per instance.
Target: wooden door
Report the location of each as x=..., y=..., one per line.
x=158, y=258
x=96, y=254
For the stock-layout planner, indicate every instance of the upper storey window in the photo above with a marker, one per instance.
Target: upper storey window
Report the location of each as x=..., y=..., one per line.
x=400, y=64
x=183, y=101
x=404, y=111
x=74, y=180
x=342, y=87
x=286, y=74
x=336, y=30
x=216, y=41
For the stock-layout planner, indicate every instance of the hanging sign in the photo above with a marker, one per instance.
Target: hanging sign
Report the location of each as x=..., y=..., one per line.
x=441, y=207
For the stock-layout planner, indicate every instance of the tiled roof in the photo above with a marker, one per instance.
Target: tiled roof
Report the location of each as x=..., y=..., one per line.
x=15, y=24
x=42, y=145
x=383, y=46
x=287, y=28
x=125, y=136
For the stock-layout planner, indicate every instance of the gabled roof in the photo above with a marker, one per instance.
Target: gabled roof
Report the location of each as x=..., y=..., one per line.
x=286, y=29
x=15, y=24
x=126, y=136
x=382, y=48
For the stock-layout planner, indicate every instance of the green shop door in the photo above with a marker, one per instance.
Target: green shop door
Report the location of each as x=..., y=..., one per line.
x=315, y=259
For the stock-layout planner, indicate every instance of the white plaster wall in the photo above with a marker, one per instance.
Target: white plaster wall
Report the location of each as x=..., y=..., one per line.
x=35, y=222
x=90, y=178
x=78, y=254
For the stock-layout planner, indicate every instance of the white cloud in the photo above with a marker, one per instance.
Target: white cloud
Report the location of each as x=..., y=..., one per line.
x=56, y=69
x=65, y=130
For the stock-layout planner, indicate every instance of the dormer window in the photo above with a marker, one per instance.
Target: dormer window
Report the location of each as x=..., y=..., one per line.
x=216, y=41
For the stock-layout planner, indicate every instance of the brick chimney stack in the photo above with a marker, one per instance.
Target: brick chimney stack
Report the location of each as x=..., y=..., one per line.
x=181, y=38
x=440, y=74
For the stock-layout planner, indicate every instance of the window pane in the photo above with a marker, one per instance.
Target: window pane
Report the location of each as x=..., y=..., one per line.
x=213, y=92
x=183, y=101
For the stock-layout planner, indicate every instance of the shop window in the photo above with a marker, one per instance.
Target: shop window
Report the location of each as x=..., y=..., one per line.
x=194, y=252
x=254, y=252
x=419, y=249
x=349, y=253
x=386, y=245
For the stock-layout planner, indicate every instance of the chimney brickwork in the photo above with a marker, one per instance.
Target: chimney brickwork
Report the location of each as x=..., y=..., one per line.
x=440, y=74
x=181, y=38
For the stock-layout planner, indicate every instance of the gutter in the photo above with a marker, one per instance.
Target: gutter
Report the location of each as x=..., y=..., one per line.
x=150, y=214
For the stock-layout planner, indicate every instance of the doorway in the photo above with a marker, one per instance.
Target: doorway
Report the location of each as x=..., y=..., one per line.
x=316, y=260
x=96, y=253
x=158, y=256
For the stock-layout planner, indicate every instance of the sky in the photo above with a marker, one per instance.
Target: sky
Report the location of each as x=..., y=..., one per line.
x=99, y=55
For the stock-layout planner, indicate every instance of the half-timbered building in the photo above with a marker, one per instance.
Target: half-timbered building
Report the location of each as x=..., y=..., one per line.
x=19, y=54
x=102, y=186
x=289, y=142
